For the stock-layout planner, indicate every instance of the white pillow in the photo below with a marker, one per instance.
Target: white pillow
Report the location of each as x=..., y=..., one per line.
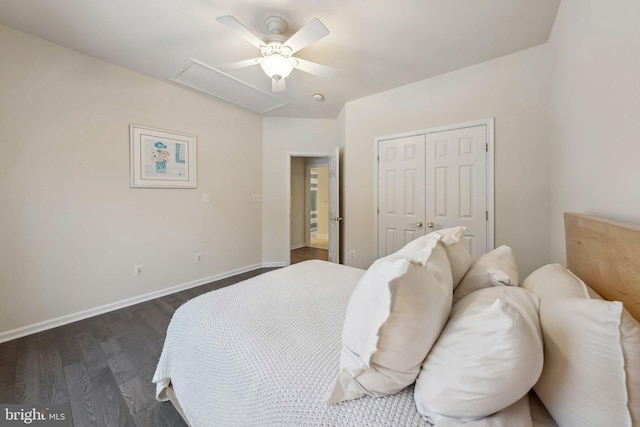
x=516, y=415
x=457, y=251
x=630, y=334
x=495, y=268
x=488, y=356
x=540, y=416
x=394, y=316
x=591, y=375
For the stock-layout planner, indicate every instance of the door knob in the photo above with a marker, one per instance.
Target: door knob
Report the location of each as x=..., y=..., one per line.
x=430, y=224
x=419, y=224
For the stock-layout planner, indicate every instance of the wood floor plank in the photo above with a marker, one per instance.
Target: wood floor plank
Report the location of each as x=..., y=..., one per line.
x=110, y=346
x=8, y=358
x=126, y=313
x=158, y=415
x=27, y=385
x=171, y=415
x=164, y=307
x=53, y=387
x=111, y=407
x=307, y=253
x=146, y=335
x=68, y=343
x=83, y=408
x=122, y=368
x=136, y=395
x=92, y=354
x=119, y=327
x=100, y=326
x=155, y=319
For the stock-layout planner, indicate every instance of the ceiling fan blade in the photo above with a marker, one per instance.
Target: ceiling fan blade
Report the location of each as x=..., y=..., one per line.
x=308, y=34
x=314, y=68
x=239, y=64
x=278, y=85
x=235, y=25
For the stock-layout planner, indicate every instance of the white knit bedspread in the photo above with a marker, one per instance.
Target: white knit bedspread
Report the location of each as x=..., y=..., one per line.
x=265, y=352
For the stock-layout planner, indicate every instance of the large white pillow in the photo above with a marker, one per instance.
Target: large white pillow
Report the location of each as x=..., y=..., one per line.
x=488, y=356
x=394, y=316
x=495, y=268
x=591, y=375
x=457, y=251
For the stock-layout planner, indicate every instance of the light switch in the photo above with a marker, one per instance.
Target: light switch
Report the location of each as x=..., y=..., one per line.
x=206, y=197
x=257, y=197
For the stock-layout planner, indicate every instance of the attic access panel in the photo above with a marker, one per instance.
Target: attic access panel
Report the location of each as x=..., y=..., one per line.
x=206, y=79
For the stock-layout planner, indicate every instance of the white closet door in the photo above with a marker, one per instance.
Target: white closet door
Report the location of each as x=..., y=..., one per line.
x=401, y=192
x=457, y=183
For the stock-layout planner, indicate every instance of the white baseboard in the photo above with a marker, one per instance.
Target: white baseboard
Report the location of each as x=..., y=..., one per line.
x=85, y=314
x=273, y=264
x=301, y=245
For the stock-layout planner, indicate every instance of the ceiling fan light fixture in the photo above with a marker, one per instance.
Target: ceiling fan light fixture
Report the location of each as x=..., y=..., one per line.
x=277, y=66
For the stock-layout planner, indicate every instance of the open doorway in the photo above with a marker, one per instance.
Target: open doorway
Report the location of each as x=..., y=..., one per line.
x=317, y=233
x=309, y=220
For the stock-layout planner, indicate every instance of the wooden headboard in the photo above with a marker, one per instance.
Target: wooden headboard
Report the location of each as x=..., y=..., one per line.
x=605, y=254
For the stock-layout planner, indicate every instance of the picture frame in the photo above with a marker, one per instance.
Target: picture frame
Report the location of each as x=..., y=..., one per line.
x=161, y=158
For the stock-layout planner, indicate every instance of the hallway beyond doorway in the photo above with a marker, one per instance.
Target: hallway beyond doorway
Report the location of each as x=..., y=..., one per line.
x=306, y=253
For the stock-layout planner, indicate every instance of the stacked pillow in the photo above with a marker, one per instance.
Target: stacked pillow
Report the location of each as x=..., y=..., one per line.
x=591, y=375
x=394, y=316
x=495, y=268
x=457, y=251
x=488, y=356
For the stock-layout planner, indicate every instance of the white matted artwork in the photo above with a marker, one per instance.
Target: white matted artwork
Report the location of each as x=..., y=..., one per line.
x=162, y=159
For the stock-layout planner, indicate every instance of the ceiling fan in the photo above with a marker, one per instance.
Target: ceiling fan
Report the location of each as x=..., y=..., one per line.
x=277, y=60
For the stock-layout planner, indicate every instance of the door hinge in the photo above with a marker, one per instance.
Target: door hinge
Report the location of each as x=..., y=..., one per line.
x=378, y=210
x=486, y=147
x=486, y=215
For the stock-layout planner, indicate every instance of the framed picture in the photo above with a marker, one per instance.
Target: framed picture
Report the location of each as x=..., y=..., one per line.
x=162, y=159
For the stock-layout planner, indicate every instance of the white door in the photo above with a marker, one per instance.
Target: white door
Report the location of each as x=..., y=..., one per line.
x=334, y=206
x=457, y=183
x=401, y=192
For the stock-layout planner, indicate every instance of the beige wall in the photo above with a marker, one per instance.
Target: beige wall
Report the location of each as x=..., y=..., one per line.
x=514, y=90
x=281, y=137
x=70, y=226
x=298, y=208
x=595, y=46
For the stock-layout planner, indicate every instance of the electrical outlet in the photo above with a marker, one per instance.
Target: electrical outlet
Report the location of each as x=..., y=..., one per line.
x=352, y=254
x=198, y=257
x=138, y=270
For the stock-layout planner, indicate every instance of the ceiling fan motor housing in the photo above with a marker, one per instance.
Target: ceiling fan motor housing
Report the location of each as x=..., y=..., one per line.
x=276, y=25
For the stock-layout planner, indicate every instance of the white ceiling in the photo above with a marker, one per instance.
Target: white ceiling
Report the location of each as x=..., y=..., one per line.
x=374, y=45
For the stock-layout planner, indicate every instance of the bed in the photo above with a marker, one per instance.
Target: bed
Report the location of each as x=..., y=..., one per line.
x=231, y=359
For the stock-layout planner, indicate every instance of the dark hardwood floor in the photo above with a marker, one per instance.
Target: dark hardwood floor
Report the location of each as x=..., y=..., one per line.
x=306, y=253
x=101, y=366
